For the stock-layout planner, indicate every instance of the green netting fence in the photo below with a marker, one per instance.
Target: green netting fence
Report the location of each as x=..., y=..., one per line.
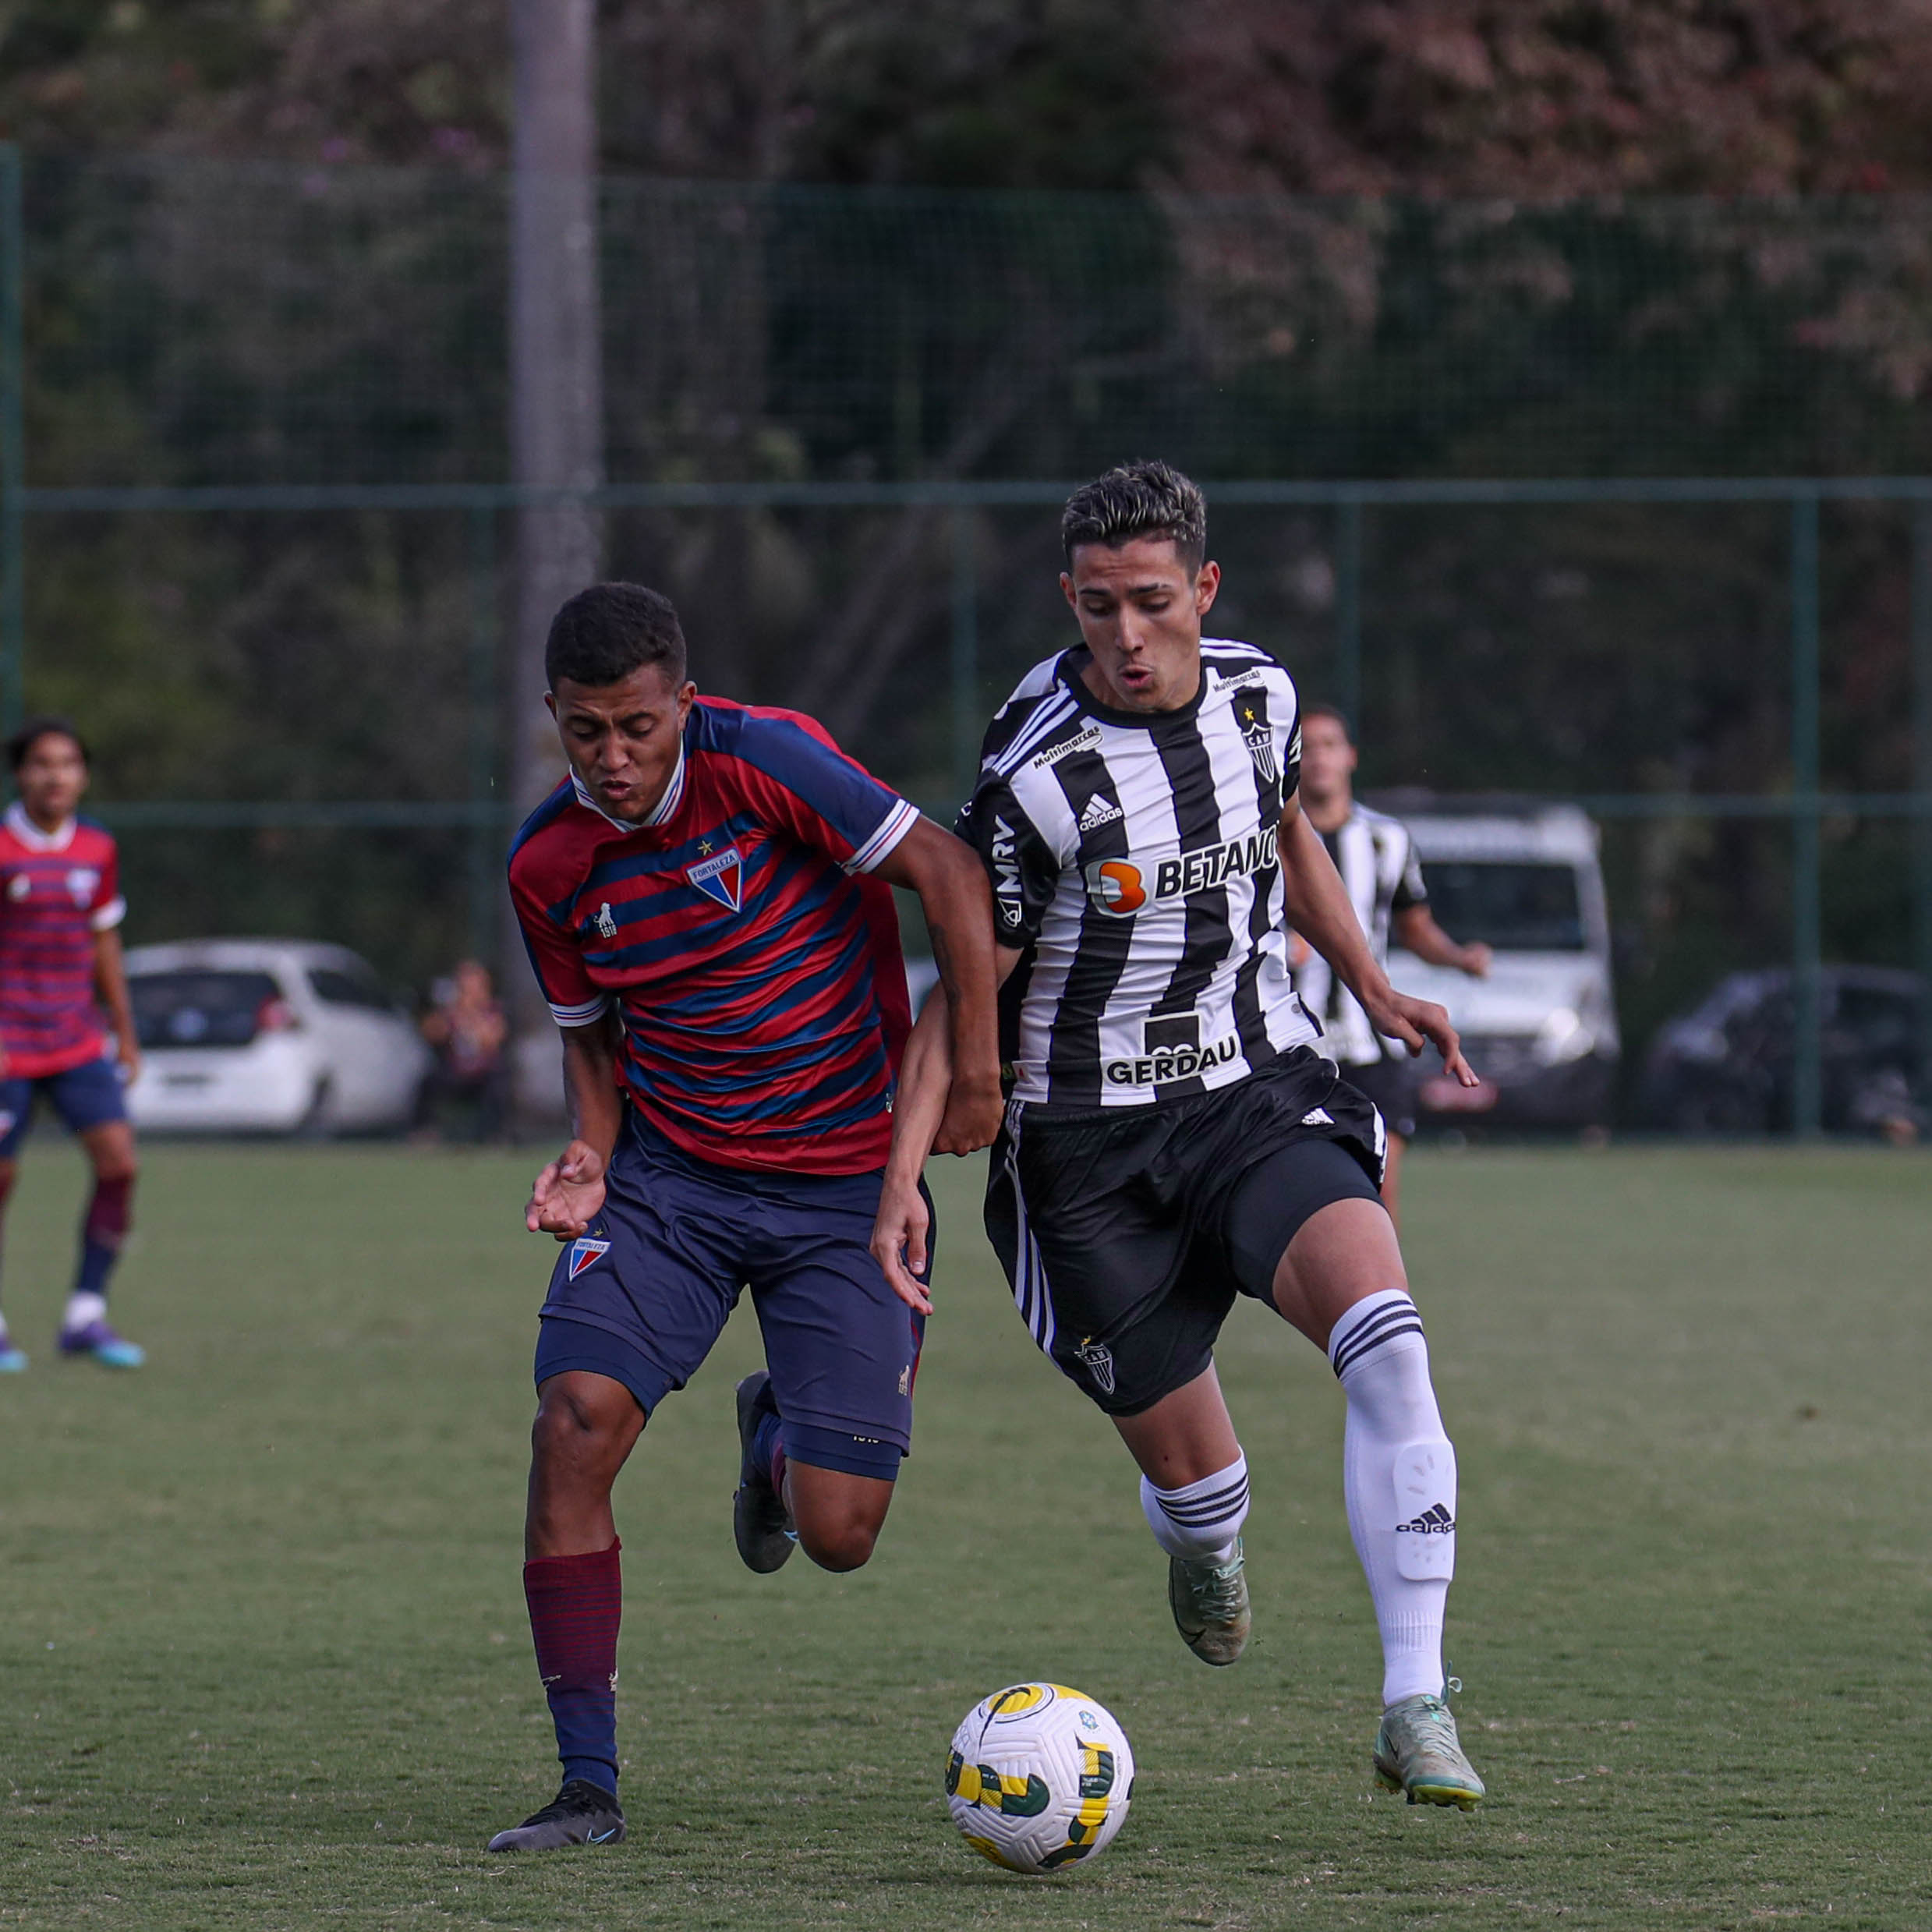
x=1625, y=503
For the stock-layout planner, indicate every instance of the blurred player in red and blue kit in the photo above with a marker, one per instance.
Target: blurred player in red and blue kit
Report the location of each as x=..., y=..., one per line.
x=705, y=902
x=60, y=962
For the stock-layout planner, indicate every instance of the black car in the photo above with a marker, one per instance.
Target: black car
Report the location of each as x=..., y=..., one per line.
x=1725, y=1068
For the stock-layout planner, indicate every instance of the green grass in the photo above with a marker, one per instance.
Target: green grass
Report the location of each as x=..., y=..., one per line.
x=264, y=1661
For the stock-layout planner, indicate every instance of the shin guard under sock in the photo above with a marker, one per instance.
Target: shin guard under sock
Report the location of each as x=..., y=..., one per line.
x=1399, y=1477
x=575, y=1603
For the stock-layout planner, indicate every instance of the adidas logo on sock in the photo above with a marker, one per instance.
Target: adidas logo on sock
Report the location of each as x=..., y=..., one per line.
x=1101, y=810
x=1434, y=1521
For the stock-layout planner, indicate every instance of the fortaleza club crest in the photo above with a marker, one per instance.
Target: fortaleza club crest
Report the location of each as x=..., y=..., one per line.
x=584, y=1252
x=720, y=877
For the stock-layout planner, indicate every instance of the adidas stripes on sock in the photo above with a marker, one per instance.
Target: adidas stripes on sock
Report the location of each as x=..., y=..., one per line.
x=1200, y=1519
x=1399, y=1478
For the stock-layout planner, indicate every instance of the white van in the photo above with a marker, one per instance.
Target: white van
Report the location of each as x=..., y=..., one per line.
x=1541, y=1030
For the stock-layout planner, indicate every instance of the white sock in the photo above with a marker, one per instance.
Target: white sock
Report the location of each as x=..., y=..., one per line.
x=1399, y=1477
x=83, y=1307
x=1200, y=1519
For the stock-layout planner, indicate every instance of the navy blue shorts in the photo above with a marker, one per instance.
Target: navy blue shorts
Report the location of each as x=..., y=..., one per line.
x=644, y=1295
x=85, y=1096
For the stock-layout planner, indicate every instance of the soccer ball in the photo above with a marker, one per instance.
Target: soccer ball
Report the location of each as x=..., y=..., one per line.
x=1038, y=1778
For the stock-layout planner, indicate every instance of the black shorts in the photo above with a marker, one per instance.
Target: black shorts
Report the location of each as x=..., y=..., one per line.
x=1393, y=1085
x=1126, y=1234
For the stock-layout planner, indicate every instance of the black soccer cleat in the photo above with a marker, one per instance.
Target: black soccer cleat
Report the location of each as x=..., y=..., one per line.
x=761, y=1524
x=580, y=1814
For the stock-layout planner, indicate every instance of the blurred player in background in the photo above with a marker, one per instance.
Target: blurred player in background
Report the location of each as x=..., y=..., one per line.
x=1174, y=1139
x=706, y=903
x=1382, y=876
x=60, y=964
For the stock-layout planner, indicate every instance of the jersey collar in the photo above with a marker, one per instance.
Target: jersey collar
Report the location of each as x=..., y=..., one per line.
x=1072, y=662
x=660, y=814
x=32, y=838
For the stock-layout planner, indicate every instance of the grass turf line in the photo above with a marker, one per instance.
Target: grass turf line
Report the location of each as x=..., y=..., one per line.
x=264, y=1661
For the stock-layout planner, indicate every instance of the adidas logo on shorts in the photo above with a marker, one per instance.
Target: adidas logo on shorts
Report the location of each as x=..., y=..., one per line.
x=1101, y=810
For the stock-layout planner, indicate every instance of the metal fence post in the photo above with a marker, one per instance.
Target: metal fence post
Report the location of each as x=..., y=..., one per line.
x=1806, y=1081
x=1348, y=611
x=485, y=827
x=1920, y=643
x=13, y=443
x=965, y=654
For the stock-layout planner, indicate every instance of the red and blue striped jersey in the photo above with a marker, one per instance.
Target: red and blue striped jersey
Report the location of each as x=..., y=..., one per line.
x=57, y=890
x=756, y=968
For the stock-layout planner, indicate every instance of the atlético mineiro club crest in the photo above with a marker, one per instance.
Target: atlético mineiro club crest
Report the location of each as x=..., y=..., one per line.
x=583, y=1253
x=720, y=877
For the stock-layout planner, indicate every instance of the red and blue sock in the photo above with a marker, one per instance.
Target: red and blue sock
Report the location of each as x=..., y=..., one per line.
x=575, y=1604
x=102, y=1232
x=768, y=1448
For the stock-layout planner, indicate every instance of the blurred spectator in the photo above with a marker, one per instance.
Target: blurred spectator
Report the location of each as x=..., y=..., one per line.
x=467, y=1032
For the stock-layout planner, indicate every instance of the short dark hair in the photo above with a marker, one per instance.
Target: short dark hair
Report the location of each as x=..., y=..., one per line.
x=1136, y=500
x=603, y=633
x=30, y=733
x=1321, y=709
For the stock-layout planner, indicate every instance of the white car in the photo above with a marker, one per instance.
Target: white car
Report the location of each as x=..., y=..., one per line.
x=1542, y=1029
x=269, y=1036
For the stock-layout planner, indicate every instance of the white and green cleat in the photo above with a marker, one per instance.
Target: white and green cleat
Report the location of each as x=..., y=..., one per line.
x=1417, y=1751
x=1209, y=1601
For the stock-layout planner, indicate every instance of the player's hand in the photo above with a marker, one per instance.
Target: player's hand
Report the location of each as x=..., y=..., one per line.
x=973, y=1107
x=1476, y=960
x=1417, y=1023
x=899, y=1241
x=568, y=1195
x=128, y=1057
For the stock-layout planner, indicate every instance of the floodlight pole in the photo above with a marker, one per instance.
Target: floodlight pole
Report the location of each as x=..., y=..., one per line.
x=965, y=665
x=1348, y=611
x=1807, y=975
x=1919, y=635
x=13, y=443
x=556, y=378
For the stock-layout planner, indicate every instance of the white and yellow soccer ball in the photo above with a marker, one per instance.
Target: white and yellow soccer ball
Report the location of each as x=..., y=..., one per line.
x=1039, y=1778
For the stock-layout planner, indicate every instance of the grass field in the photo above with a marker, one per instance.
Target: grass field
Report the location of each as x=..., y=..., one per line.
x=264, y=1661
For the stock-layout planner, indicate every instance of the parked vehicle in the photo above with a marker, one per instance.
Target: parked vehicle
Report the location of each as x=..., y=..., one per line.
x=1542, y=1029
x=1725, y=1067
x=272, y=1036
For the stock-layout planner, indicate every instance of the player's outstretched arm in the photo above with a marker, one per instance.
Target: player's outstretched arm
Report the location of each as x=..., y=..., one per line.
x=1315, y=903
x=903, y=1223
x=568, y=1194
x=958, y=901
x=1416, y=931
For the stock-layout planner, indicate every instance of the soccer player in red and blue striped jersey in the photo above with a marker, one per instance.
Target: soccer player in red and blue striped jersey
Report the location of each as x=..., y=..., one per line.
x=60, y=961
x=706, y=903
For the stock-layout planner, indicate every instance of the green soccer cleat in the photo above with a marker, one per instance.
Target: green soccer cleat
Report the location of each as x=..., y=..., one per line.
x=1209, y=1601
x=1417, y=1751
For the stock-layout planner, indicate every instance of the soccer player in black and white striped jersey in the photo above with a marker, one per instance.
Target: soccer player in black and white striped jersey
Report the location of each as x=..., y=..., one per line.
x=1172, y=1138
x=1382, y=876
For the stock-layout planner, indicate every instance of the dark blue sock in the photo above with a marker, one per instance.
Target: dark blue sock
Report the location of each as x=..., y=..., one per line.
x=767, y=1439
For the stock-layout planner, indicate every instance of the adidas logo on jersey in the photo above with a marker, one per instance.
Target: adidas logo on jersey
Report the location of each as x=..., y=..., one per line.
x=1101, y=810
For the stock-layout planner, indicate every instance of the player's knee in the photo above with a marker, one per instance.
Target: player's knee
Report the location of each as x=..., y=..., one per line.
x=576, y=1423
x=117, y=1169
x=839, y=1539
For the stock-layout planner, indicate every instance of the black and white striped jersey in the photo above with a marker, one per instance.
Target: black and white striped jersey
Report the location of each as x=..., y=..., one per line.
x=1382, y=876
x=1132, y=860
